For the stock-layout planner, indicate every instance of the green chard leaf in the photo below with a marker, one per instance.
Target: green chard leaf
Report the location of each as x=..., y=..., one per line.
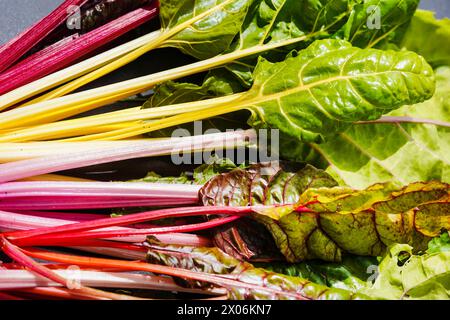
x=214, y=261
x=402, y=152
x=211, y=34
x=326, y=223
x=424, y=276
x=153, y=177
x=267, y=22
x=214, y=167
x=324, y=89
x=287, y=25
x=293, y=24
x=202, y=174
x=429, y=37
x=378, y=23
x=328, y=86
x=351, y=274
x=439, y=244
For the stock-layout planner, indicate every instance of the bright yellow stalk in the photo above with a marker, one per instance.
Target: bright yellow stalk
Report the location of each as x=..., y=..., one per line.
x=75, y=127
x=146, y=127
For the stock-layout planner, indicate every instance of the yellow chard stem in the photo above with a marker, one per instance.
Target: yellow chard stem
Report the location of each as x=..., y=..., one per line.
x=75, y=127
x=138, y=129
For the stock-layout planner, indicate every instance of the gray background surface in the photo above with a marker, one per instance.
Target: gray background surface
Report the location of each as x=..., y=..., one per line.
x=15, y=15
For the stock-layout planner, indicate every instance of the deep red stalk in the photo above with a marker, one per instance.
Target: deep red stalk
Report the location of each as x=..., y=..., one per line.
x=46, y=50
x=130, y=219
x=17, y=47
x=60, y=56
x=17, y=255
x=73, y=239
x=142, y=266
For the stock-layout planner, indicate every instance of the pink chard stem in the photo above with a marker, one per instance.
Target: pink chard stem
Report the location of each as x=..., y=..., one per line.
x=17, y=47
x=64, y=53
x=10, y=221
x=130, y=219
x=62, y=195
x=78, y=238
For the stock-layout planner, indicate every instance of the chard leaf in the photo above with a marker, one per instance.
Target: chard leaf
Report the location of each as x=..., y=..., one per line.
x=439, y=244
x=424, y=276
x=267, y=23
x=331, y=84
x=268, y=183
x=200, y=175
x=263, y=184
x=285, y=285
x=378, y=23
x=218, y=83
x=211, y=34
x=429, y=37
x=293, y=24
x=328, y=222
x=287, y=24
x=351, y=274
x=153, y=177
x=213, y=260
x=402, y=152
x=213, y=168
x=323, y=89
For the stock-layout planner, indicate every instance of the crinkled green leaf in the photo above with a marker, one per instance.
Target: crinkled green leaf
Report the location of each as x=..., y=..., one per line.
x=153, y=177
x=210, y=35
x=439, y=244
x=271, y=22
x=266, y=22
x=328, y=222
x=429, y=37
x=378, y=23
x=279, y=22
x=406, y=152
x=331, y=84
x=213, y=260
x=424, y=276
x=218, y=83
x=351, y=274
x=200, y=175
x=214, y=167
